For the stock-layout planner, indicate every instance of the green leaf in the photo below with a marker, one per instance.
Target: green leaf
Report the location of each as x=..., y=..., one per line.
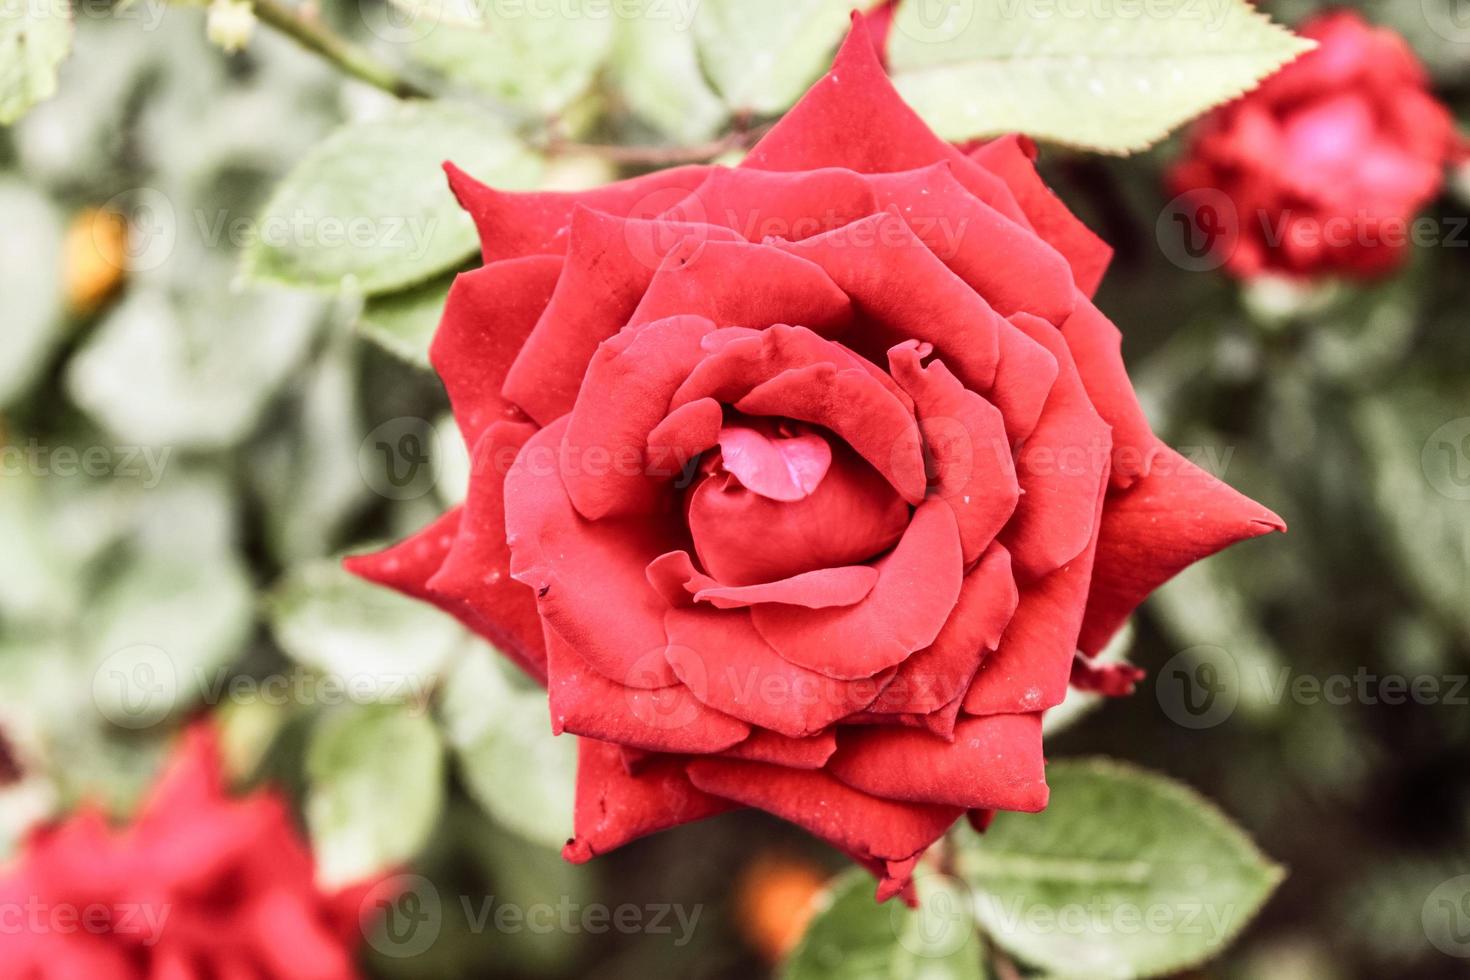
x=159, y=635
x=655, y=68
x=763, y=54
x=159, y=373
x=852, y=937
x=369, y=209
x=34, y=36
x=30, y=281
x=1417, y=448
x=519, y=773
x=1109, y=77
x=539, y=60
x=1126, y=874
x=377, y=786
x=385, y=646
x=307, y=474
x=403, y=323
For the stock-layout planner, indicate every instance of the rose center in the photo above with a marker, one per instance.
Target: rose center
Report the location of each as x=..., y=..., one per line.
x=779, y=498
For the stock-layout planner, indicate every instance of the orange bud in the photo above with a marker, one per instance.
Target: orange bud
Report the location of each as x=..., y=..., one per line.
x=774, y=901
x=95, y=258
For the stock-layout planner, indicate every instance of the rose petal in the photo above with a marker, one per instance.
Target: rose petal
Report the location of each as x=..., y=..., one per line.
x=676, y=443
x=940, y=674
x=1029, y=670
x=516, y=223
x=1096, y=347
x=965, y=443
x=674, y=576
x=1012, y=158
x=875, y=424
x=765, y=204
x=609, y=263
x=770, y=287
x=1023, y=382
x=410, y=565
x=477, y=569
x=918, y=584
x=487, y=317
x=901, y=291
x=860, y=824
x=853, y=516
x=852, y=117
x=740, y=359
x=1004, y=261
x=614, y=807
x=811, y=752
x=775, y=464
x=993, y=762
x=1060, y=467
x=820, y=589
x=588, y=576
x=624, y=397
x=1166, y=521
x=720, y=657
x=664, y=719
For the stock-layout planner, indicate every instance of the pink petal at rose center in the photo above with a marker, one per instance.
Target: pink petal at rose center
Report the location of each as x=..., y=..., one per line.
x=785, y=464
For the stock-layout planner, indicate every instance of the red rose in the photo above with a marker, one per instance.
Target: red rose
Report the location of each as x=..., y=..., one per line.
x=198, y=886
x=1322, y=169
x=798, y=483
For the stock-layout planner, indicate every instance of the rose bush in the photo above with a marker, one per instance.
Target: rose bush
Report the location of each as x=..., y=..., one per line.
x=800, y=485
x=1322, y=169
x=199, y=885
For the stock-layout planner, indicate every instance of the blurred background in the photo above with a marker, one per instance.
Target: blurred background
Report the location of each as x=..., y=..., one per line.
x=185, y=450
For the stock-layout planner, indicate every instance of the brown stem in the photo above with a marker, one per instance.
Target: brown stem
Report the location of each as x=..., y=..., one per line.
x=741, y=138
x=316, y=37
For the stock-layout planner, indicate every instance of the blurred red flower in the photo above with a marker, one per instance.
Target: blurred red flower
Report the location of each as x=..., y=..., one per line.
x=1322, y=169
x=199, y=886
